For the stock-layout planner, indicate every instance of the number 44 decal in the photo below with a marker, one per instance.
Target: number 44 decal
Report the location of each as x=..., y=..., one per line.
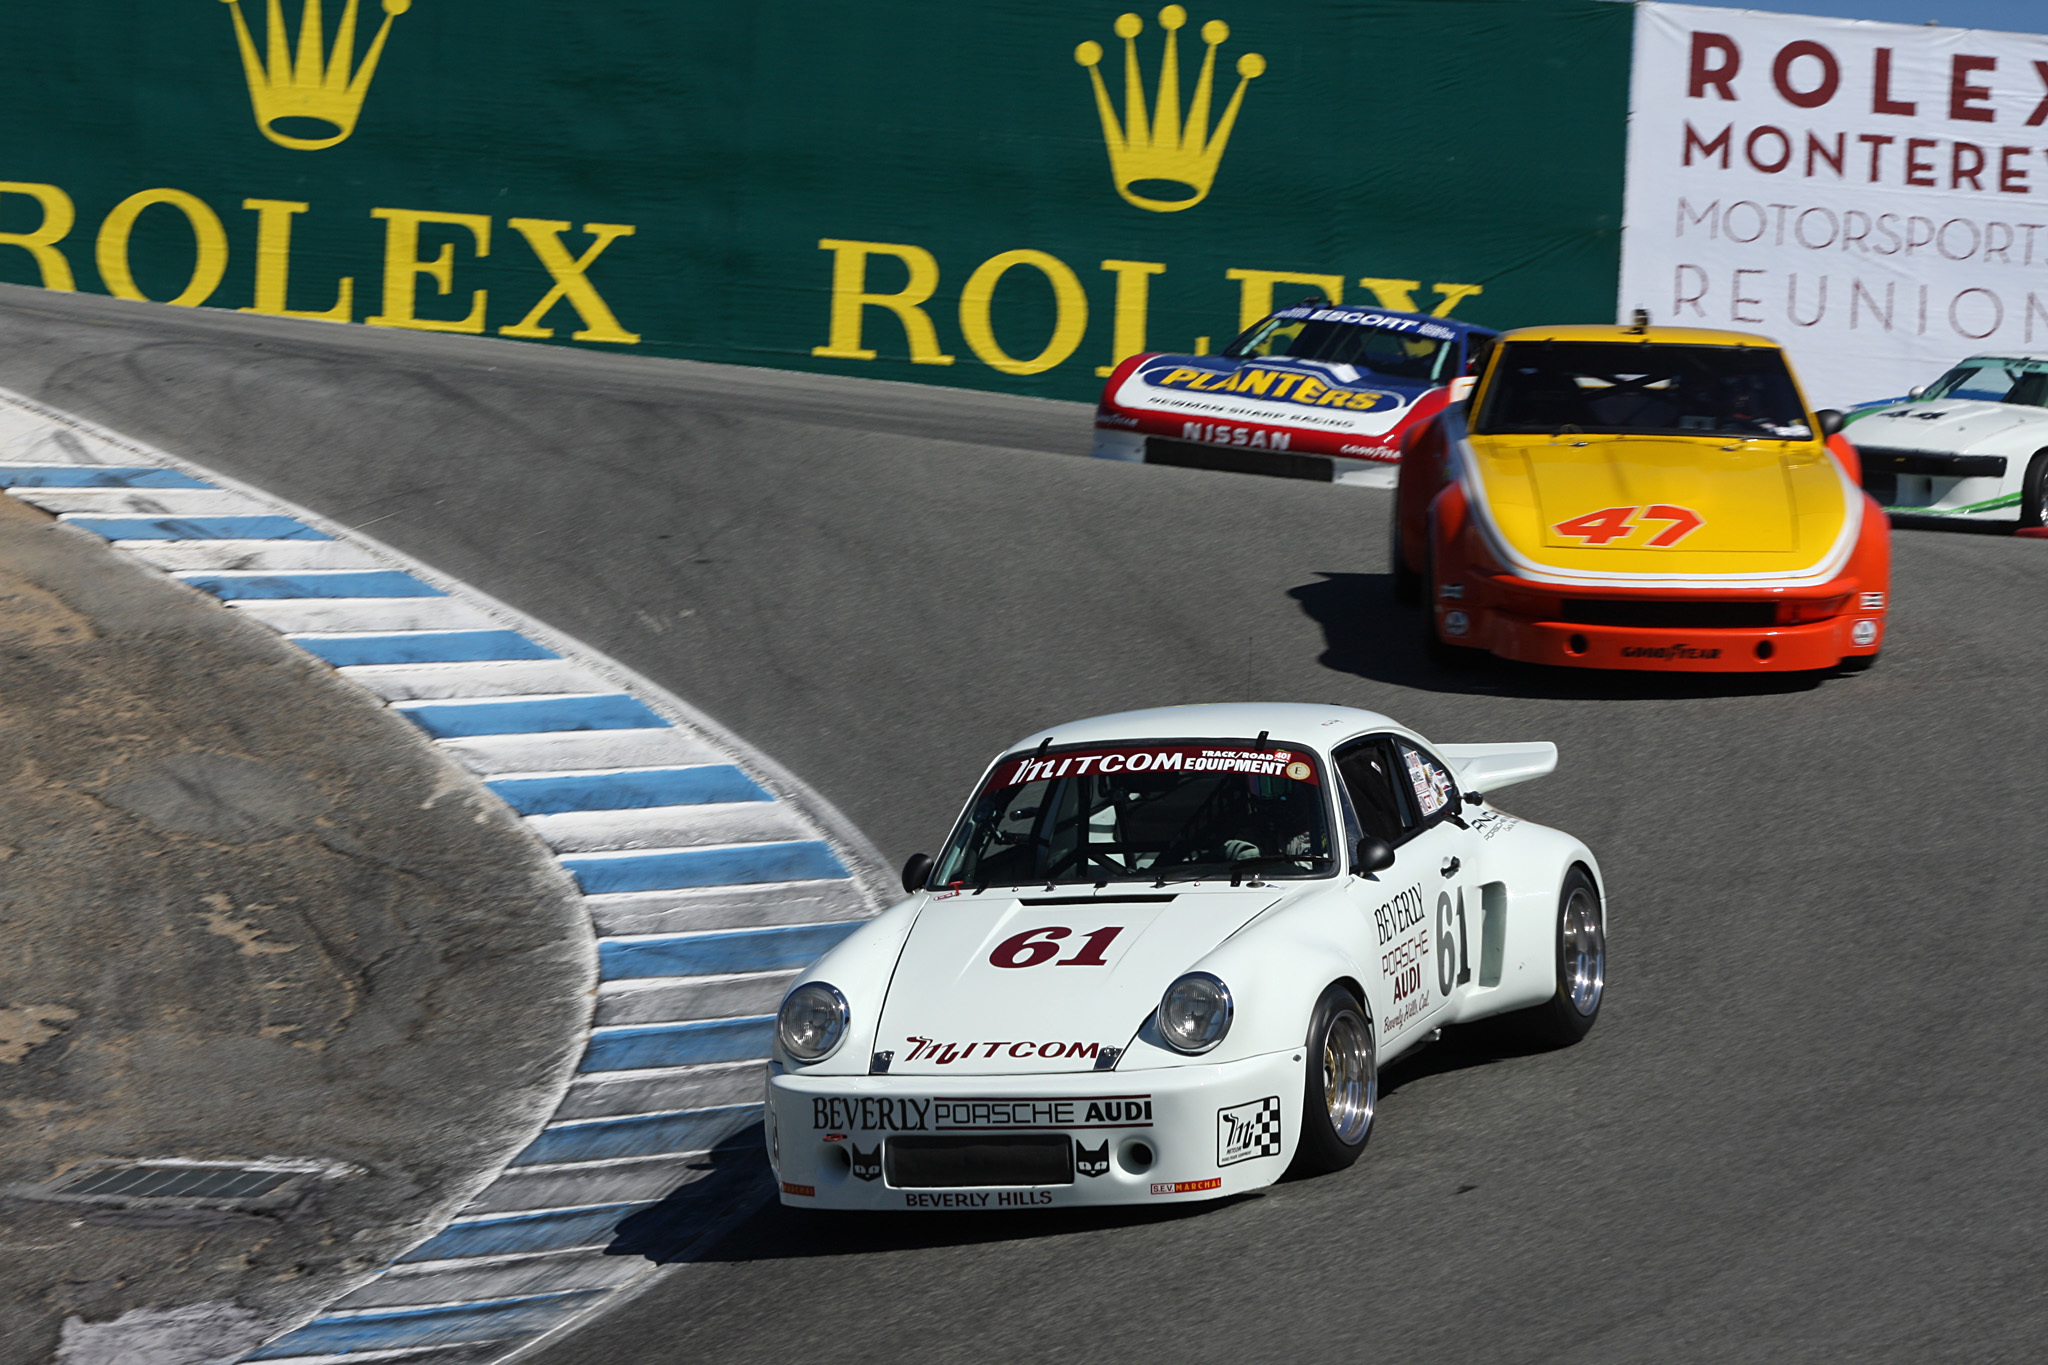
x=1610, y=524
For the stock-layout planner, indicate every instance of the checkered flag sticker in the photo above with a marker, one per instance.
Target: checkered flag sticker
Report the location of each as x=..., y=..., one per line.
x=1246, y=1131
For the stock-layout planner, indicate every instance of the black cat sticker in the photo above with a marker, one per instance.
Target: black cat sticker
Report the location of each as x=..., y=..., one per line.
x=866, y=1165
x=1091, y=1160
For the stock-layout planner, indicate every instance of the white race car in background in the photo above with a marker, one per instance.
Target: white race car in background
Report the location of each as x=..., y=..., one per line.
x=1973, y=444
x=1163, y=956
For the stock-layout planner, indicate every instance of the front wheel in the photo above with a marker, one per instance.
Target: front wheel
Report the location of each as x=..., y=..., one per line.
x=1581, y=967
x=1342, y=1087
x=2034, y=492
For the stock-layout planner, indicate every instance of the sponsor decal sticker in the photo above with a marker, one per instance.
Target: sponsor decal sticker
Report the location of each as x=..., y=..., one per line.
x=1175, y=758
x=945, y=1054
x=866, y=1165
x=1187, y=1186
x=1222, y=434
x=801, y=1191
x=1872, y=601
x=945, y=1201
x=845, y=1114
x=971, y=1200
x=1457, y=623
x=1864, y=632
x=1668, y=652
x=1493, y=824
x=1297, y=388
x=1431, y=783
x=1249, y=1130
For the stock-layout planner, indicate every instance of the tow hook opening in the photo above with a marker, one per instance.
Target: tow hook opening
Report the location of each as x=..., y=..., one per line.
x=1765, y=649
x=1575, y=645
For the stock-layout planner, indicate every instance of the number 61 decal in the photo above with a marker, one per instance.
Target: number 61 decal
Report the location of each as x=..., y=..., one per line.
x=1613, y=523
x=1036, y=946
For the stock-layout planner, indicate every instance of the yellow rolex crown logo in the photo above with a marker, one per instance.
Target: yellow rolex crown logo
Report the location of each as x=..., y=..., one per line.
x=310, y=101
x=1168, y=162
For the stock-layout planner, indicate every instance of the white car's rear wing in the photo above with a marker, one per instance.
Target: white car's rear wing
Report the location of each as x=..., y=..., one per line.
x=1489, y=767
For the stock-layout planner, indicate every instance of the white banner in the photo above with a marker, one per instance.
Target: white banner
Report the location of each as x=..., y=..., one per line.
x=1874, y=196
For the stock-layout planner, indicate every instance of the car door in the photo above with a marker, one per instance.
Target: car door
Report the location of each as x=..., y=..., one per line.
x=1397, y=790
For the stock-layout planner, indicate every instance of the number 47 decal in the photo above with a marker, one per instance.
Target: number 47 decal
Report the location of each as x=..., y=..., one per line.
x=1612, y=523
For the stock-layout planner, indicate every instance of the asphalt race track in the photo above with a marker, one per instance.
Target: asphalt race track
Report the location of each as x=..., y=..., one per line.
x=1810, y=1124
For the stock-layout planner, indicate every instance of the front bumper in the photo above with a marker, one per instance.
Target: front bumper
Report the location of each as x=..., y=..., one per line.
x=1534, y=623
x=1209, y=1131
x=1940, y=484
x=1365, y=462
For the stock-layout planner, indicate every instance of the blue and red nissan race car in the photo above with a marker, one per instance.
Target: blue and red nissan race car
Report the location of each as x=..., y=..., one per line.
x=1312, y=392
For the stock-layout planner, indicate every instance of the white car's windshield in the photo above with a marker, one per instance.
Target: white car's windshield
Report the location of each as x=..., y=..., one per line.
x=1399, y=348
x=1172, y=811
x=1993, y=379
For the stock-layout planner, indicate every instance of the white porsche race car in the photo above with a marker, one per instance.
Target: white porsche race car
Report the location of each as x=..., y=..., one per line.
x=1163, y=957
x=1972, y=445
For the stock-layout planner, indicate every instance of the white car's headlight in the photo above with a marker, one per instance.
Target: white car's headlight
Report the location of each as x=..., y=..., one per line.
x=812, y=1021
x=1195, y=1012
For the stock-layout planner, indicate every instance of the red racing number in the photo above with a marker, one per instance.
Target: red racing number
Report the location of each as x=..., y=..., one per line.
x=1034, y=947
x=1613, y=523
x=1597, y=528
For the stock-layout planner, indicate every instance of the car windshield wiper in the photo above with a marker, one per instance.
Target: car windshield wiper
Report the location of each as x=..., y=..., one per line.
x=1235, y=868
x=1243, y=865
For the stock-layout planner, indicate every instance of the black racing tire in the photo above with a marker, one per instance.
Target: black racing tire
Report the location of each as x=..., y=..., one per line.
x=1580, y=934
x=1407, y=582
x=1341, y=1088
x=2034, y=492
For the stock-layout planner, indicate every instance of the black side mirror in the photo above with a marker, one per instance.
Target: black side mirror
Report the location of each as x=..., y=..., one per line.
x=917, y=872
x=1830, y=421
x=1374, y=855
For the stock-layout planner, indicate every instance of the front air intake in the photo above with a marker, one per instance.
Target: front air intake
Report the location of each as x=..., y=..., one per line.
x=949, y=1162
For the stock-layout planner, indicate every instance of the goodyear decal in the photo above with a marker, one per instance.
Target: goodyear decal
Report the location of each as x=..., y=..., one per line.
x=1282, y=386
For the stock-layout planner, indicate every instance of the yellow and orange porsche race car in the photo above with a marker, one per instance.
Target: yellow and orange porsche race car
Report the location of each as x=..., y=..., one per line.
x=1642, y=497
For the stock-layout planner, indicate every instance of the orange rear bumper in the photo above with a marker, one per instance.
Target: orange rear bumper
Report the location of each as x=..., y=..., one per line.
x=1533, y=622
x=1772, y=649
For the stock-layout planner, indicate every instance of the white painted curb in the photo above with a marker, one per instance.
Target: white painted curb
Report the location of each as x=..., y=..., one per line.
x=711, y=876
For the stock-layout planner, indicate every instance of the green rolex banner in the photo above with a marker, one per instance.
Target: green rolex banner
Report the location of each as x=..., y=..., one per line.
x=1000, y=197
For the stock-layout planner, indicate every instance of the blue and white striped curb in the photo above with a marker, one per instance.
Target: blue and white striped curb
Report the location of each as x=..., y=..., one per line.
x=710, y=875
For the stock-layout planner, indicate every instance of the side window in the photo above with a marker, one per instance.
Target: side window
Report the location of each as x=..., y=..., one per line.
x=1477, y=348
x=1429, y=782
x=1368, y=773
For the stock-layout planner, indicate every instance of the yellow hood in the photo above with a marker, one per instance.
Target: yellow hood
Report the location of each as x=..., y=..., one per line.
x=1599, y=505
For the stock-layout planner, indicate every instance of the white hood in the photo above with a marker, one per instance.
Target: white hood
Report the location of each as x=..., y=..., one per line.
x=1943, y=426
x=953, y=1011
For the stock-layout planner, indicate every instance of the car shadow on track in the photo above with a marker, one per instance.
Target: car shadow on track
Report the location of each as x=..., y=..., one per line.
x=1368, y=633
x=1483, y=1042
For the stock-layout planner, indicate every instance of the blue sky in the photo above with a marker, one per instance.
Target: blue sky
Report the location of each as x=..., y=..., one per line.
x=2011, y=16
